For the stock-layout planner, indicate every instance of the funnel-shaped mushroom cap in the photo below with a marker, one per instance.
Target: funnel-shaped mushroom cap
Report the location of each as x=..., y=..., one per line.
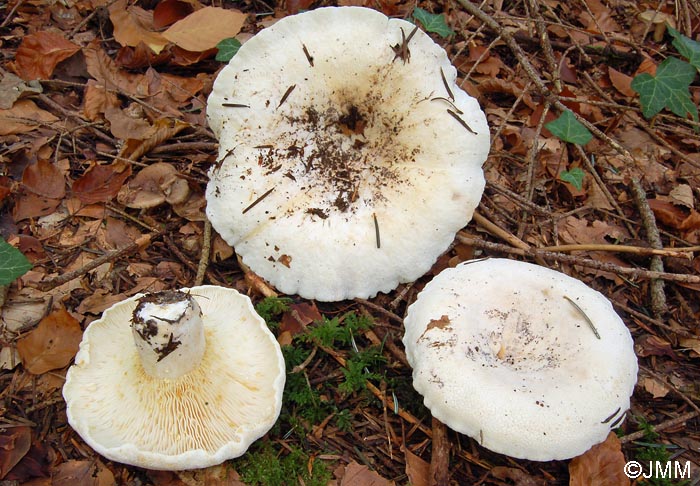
x=504, y=352
x=348, y=157
x=202, y=418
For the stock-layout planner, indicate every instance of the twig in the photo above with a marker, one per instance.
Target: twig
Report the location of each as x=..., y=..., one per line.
x=204, y=256
x=683, y=252
x=380, y=309
x=640, y=434
x=440, y=456
x=667, y=383
x=46, y=285
x=584, y=262
x=656, y=288
x=499, y=232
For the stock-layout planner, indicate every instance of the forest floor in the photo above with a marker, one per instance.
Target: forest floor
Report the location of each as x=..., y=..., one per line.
x=86, y=106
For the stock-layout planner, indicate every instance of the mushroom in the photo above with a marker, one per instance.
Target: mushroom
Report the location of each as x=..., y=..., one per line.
x=348, y=156
x=658, y=20
x=153, y=185
x=528, y=361
x=176, y=380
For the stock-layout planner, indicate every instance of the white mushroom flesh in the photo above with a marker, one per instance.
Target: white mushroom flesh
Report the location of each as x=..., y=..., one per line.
x=500, y=353
x=168, y=333
x=348, y=158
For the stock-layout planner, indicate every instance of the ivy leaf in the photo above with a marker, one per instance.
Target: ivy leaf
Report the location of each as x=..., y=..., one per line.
x=432, y=22
x=668, y=89
x=569, y=129
x=574, y=176
x=13, y=263
x=227, y=49
x=686, y=47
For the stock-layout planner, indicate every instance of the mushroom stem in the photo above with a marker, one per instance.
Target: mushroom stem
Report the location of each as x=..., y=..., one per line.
x=169, y=333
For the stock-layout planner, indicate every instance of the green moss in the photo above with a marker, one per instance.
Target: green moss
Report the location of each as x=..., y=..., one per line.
x=265, y=467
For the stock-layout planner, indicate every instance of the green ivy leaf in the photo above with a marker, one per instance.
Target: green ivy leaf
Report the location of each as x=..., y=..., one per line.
x=432, y=22
x=574, y=176
x=569, y=129
x=227, y=49
x=668, y=89
x=686, y=47
x=13, y=263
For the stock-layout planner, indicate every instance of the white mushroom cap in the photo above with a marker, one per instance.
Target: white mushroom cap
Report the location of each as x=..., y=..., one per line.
x=201, y=418
x=345, y=166
x=501, y=354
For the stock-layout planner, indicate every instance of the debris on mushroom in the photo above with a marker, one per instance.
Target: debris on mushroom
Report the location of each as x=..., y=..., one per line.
x=154, y=185
x=348, y=157
x=176, y=379
x=528, y=361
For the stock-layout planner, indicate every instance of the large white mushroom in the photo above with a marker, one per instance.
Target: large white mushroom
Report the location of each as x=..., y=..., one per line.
x=176, y=380
x=348, y=157
x=528, y=361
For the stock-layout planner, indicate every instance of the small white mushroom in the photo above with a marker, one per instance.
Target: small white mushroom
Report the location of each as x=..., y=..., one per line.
x=349, y=156
x=176, y=380
x=528, y=361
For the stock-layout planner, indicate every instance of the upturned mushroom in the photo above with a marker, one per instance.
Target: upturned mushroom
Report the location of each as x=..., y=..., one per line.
x=349, y=156
x=176, y=380
x=528, y=361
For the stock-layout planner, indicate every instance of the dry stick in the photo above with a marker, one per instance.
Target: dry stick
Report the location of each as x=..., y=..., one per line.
x=670, y=385
x=640, y=434
x=515, y=197
x=532, y=74
x=637, y=250
x=656, y=289
x=531, y=162
x=184, y=147
x=46, y=285
x=380, y=309
x=440, y=455
x=206, y=251
x=651, y=320
x=499, y=232
x=584, y=262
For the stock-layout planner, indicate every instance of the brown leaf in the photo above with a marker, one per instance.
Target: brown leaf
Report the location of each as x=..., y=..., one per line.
x=36, y=463
x=649, y=345
x=14, y=444
x=39, y=53
x=96, y=100
x=621, y=82
x=134, y=25
x=357, y=475
x=52, y=344
x=154, y=185
x=101, y=183
x=417, y=469
x=30, y=205
x=299, y=316
x=655, y=387
x=517, y=476
x=24, y=116
x=205, y=28
x=602, y=465
x=168, y=12
x=85, y=472
x=12, y=87
x=44, y=179
x=125, y=127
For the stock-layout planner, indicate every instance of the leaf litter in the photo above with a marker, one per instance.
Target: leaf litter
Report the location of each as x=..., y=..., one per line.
x=95, y=99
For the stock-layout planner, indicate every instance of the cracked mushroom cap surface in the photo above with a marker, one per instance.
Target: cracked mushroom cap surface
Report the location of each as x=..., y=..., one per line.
x=200, y=419
x=348, y=157
x=502, y=352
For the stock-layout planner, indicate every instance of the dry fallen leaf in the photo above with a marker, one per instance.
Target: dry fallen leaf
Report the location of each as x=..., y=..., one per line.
x=205, y=28
x=152, y=186
x=85, y=472
x=24, y=116
x=39, y=53
x=134, y=25
x=101, y=183
x=357, y=475
x=417, y=469
x=655, y=387
x=517, y=476
x=44, y=179
x=52, y=344
x=602, y=465
x=14, y=444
